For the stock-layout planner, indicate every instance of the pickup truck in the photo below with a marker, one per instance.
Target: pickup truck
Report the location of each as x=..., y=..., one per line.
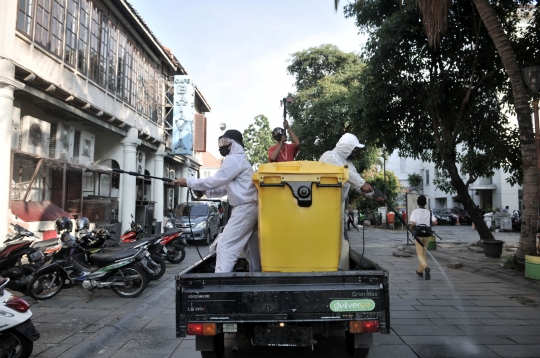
x=282, y=308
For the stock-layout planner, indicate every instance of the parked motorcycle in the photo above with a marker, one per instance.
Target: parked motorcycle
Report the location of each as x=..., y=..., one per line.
x=11, y=266
x=172, y=241
x=17, y=332
x=100, y=240
x=124, y=271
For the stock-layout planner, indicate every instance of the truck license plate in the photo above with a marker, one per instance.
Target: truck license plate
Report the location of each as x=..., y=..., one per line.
x=283, y=336
x=229, y=327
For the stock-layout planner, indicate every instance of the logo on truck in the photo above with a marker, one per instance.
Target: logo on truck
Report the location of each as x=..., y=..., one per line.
x=352, y=305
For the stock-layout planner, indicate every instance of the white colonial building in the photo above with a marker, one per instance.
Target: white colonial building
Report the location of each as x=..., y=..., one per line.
x=85, y=86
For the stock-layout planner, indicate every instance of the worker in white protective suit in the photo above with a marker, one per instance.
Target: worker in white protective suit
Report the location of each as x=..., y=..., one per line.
x=345, y=150
x=234, y=180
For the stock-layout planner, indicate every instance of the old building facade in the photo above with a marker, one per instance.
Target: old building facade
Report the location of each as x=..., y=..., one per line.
x=85, y=87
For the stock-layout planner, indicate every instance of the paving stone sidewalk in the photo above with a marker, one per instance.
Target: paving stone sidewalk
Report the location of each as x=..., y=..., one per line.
x=479, y=310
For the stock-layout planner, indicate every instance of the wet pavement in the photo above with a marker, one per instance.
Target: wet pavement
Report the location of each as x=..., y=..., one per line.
x=478, y=310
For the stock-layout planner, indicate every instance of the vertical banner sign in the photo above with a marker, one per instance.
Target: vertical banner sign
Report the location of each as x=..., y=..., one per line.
x=183, y=113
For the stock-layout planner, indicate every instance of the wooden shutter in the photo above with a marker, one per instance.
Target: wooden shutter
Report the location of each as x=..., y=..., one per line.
x=199, y=142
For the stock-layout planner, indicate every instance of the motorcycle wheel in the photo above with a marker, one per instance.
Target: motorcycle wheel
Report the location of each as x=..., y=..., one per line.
x=159, y=267
x=175, y=253
x=21, y=346
x=37, y=286
x=135, y=280
x=28, y=270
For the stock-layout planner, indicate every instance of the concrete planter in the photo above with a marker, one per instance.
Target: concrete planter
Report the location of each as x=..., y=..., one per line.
x=532, y=267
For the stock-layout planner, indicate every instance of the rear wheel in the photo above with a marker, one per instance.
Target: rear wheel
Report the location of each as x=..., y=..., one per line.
x=175, y=253
x=134, y=280
x=46, y=285
x=355, y=352
x=15, y=345
x=158, y=266
x=206, y=241
x=219, y=347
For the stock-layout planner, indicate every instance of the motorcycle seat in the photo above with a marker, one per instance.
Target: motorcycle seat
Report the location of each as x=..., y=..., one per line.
x=129, y=245
x=110, y=256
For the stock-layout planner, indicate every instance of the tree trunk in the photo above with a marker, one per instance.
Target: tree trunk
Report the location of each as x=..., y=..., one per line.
x=462, y=190
x=528, y=148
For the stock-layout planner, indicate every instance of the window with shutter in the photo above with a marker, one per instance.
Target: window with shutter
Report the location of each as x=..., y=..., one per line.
x=199, y=142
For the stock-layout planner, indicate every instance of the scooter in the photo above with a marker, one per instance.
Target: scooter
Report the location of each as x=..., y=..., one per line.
x=171, y=243
x=17, y=332
x=124, y=271
x=11, y=266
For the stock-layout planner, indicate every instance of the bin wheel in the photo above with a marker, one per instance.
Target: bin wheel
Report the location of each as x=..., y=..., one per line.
x=354, y=352
x=219, y=347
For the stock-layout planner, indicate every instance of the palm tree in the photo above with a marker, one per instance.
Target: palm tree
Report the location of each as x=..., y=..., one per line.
x=434, y=14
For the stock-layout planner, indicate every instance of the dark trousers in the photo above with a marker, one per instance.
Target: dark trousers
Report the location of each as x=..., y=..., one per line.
x=349, y=222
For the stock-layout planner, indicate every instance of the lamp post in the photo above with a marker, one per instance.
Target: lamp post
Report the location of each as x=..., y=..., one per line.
x=531, y=76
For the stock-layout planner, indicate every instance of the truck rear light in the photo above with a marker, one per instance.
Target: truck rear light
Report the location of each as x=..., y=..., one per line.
x=201, y=329
x=371, y=325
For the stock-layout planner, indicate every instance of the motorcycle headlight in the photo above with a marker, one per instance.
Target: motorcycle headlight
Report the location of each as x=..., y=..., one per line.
x=169, y=225
x=201, y=224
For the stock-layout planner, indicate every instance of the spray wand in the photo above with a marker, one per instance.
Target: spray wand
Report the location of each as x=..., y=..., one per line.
x=168, y=180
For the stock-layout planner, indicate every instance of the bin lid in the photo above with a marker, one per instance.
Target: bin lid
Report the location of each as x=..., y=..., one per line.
x=302, y=167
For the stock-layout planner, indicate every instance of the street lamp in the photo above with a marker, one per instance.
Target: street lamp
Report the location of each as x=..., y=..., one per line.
x=531, y=76
x=222, y=126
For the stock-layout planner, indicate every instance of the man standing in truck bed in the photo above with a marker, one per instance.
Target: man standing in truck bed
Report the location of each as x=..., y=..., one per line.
x=234, y=180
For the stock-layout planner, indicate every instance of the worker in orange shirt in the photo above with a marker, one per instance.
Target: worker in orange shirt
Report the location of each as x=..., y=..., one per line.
x=282, y=151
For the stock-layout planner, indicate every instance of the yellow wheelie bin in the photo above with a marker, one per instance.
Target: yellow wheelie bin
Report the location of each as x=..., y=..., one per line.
x=300, y=224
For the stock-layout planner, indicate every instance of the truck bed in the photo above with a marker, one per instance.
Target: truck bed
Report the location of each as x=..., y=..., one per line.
x=203, y=296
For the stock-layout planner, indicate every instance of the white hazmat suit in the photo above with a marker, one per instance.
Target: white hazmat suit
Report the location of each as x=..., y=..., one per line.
x=234, y=180
x=338, y=156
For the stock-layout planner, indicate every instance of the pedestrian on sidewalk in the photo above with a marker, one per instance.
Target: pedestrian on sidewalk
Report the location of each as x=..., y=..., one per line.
x=422, y=216
x=351, y=221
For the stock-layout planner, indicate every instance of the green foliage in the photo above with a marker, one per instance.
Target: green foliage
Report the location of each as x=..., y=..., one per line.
x=440, y=104
x=257, y=140
x=414, y=179
x=510, y=262
x=323, y=106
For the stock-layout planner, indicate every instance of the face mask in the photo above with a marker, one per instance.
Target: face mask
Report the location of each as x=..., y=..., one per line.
x=224, y=151
x=353, y=154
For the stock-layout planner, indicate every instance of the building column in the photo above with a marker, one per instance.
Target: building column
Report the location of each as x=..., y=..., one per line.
x=8, y=84
x=128, y=189
x=159, y=192
x=184, y=173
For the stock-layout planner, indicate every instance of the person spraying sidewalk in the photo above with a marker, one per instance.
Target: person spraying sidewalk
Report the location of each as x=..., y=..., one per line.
x=422, y=219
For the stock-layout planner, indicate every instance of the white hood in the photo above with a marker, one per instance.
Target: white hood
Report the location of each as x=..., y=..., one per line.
x=346, y=144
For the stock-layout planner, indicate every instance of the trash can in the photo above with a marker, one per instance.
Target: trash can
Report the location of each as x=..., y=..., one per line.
x=300, y=216
x=506, y=223
x=390, y=217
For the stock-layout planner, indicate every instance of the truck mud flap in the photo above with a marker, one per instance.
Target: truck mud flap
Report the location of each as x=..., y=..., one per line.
x=288, y=336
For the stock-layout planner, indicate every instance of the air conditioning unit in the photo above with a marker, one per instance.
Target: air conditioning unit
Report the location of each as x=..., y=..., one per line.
x=141, y=160
x=35, y=136
x=83, y=147
x=64, y=142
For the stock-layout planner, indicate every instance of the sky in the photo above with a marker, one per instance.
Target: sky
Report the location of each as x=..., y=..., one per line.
x=237, y=50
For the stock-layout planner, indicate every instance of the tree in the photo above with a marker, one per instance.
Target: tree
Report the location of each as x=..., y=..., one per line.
x=323, y=106
x=491, y=19
x=437, y=104
x=257, y=140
